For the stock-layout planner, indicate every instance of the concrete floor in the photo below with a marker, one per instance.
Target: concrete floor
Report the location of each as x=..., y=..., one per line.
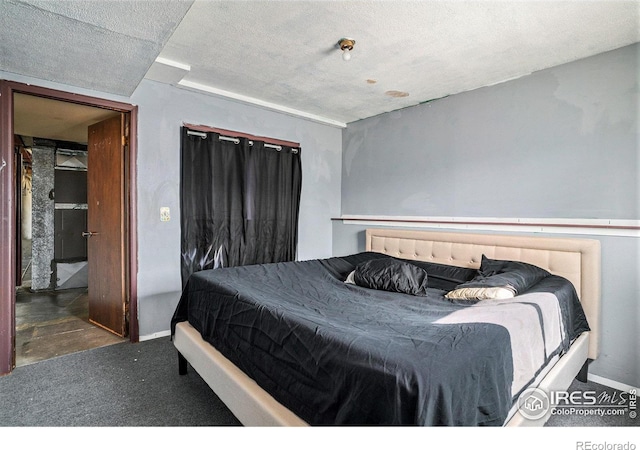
x=55, y=323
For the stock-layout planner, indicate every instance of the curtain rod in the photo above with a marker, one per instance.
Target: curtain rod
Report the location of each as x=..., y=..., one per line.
x=238, y=134
x=197, y=133
x=237, y=140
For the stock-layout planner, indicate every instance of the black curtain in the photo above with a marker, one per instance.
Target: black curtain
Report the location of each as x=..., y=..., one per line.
x=239, y=202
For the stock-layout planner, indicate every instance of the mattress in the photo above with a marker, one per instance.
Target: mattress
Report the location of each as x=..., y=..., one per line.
x=337, y=353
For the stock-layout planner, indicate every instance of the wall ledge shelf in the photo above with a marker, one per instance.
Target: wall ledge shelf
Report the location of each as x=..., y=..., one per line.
x=602, y=227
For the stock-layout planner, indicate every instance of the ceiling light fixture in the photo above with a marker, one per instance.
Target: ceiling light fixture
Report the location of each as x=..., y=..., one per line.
x=346, y=45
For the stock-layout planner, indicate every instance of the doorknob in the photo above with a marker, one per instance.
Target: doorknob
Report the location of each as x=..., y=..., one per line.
x=89, y=233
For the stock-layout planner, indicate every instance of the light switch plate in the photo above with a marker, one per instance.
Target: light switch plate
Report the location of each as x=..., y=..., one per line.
x=165, y=215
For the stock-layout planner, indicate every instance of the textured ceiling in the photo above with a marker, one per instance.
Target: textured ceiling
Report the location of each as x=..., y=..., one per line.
x=106, y=45
x=283, y=54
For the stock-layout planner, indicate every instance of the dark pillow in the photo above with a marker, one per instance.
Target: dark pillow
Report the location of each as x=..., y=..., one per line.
x=521, y=276
x=391, y=275
x=497, y=277
x=442, y=276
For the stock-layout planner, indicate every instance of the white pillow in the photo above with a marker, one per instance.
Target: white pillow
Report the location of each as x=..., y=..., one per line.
x=487, y=293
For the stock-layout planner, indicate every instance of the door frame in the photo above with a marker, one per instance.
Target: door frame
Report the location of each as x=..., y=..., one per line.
x=8, y=205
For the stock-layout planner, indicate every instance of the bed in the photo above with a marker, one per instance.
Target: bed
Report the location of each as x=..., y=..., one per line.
x=326, y=371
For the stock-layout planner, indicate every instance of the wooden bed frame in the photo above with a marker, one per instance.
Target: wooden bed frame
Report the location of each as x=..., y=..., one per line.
x=578, y=260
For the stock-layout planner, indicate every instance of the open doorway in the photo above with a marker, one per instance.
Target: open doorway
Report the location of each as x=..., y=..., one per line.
x=50, y=297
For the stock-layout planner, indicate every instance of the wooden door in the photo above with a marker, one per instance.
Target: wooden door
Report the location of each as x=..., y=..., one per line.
x=106, y=225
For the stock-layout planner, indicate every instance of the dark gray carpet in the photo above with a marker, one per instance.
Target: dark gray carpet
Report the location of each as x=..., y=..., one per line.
x=119, y=385
x=137, y=385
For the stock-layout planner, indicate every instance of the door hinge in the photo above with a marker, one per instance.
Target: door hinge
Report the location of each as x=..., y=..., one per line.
x=125, y=141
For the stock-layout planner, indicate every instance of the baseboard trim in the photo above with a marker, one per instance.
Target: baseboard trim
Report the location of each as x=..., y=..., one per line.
x=612, y=383
x=159, y=334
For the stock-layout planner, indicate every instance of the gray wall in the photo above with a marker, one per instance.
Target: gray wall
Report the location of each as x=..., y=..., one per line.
x=560, y=143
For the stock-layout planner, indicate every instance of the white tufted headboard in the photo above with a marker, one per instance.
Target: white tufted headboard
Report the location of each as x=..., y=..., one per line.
x=577, y=260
